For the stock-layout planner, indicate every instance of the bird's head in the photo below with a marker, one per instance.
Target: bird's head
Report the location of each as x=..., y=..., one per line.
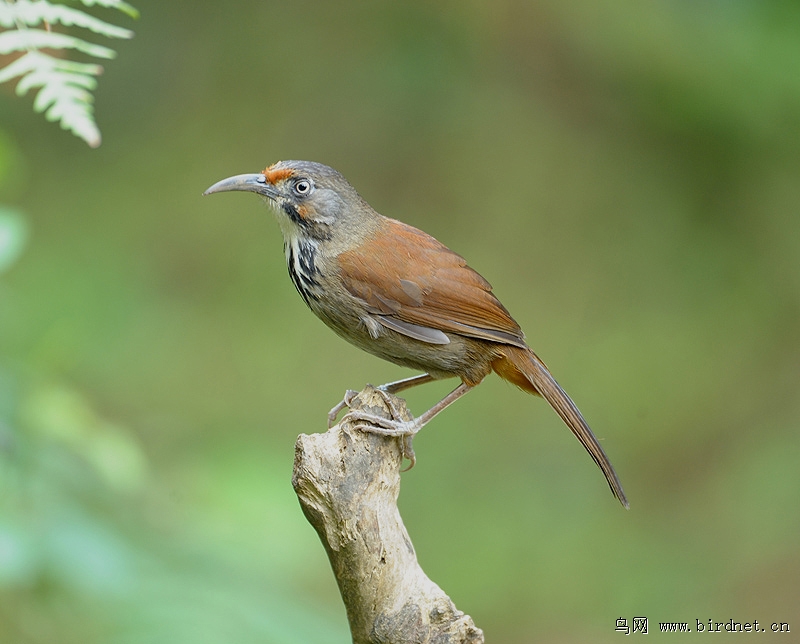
x=310, y=199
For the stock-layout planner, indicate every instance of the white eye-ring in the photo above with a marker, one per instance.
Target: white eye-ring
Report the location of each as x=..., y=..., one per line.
x=302, y=187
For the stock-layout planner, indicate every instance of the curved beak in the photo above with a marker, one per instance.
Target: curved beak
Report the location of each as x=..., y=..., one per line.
x=245, y=182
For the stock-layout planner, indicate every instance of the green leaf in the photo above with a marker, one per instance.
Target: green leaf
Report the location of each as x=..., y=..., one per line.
x=66, y=86
x=13, y=235
x=64, y=94
x=28, y=39
x=32, y=13
x=114, y=4
x=34, y=61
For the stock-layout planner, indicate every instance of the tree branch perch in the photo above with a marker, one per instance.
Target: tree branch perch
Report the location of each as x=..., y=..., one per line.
x=348, y=482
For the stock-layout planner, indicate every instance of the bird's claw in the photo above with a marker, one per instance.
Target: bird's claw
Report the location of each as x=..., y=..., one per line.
x=375, y=424
x=408, y=451
x=344, y=402
x=372, y=423
x=405, y=430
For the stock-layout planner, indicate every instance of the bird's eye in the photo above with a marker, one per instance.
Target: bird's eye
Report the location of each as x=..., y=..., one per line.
x=302, y=187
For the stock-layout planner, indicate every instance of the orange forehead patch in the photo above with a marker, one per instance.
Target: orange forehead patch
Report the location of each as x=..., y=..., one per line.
x=274, y=174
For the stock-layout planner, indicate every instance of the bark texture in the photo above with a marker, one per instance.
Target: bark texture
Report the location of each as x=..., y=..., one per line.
x=348, y=482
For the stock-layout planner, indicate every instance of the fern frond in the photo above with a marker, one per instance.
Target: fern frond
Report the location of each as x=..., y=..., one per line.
x=30, y=39
x=65, y=93
x=114, y=4
x=32, y=13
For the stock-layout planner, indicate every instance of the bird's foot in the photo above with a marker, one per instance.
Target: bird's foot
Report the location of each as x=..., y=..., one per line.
x=397, y=426
x=344, y=402
x=375, y=424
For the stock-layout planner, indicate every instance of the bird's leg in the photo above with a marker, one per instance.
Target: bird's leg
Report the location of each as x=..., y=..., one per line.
x=406, y=383
x=397, y=426
x=389, y=388
x=406, y=446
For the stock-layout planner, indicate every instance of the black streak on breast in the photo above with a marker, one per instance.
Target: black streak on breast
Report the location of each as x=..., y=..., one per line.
x=303, y=271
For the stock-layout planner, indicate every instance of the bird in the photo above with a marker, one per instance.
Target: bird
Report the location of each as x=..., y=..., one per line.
x=396, y=292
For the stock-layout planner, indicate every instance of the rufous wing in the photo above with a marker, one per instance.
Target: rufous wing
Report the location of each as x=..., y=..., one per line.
x=412, y=282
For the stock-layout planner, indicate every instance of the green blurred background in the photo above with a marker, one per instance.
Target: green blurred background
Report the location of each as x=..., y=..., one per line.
x=627, y=174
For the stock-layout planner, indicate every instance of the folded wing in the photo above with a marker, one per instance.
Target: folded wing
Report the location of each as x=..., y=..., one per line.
x=415, y=285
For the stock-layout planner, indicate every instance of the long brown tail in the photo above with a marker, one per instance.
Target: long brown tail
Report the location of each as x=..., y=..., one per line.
x=524, y=368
